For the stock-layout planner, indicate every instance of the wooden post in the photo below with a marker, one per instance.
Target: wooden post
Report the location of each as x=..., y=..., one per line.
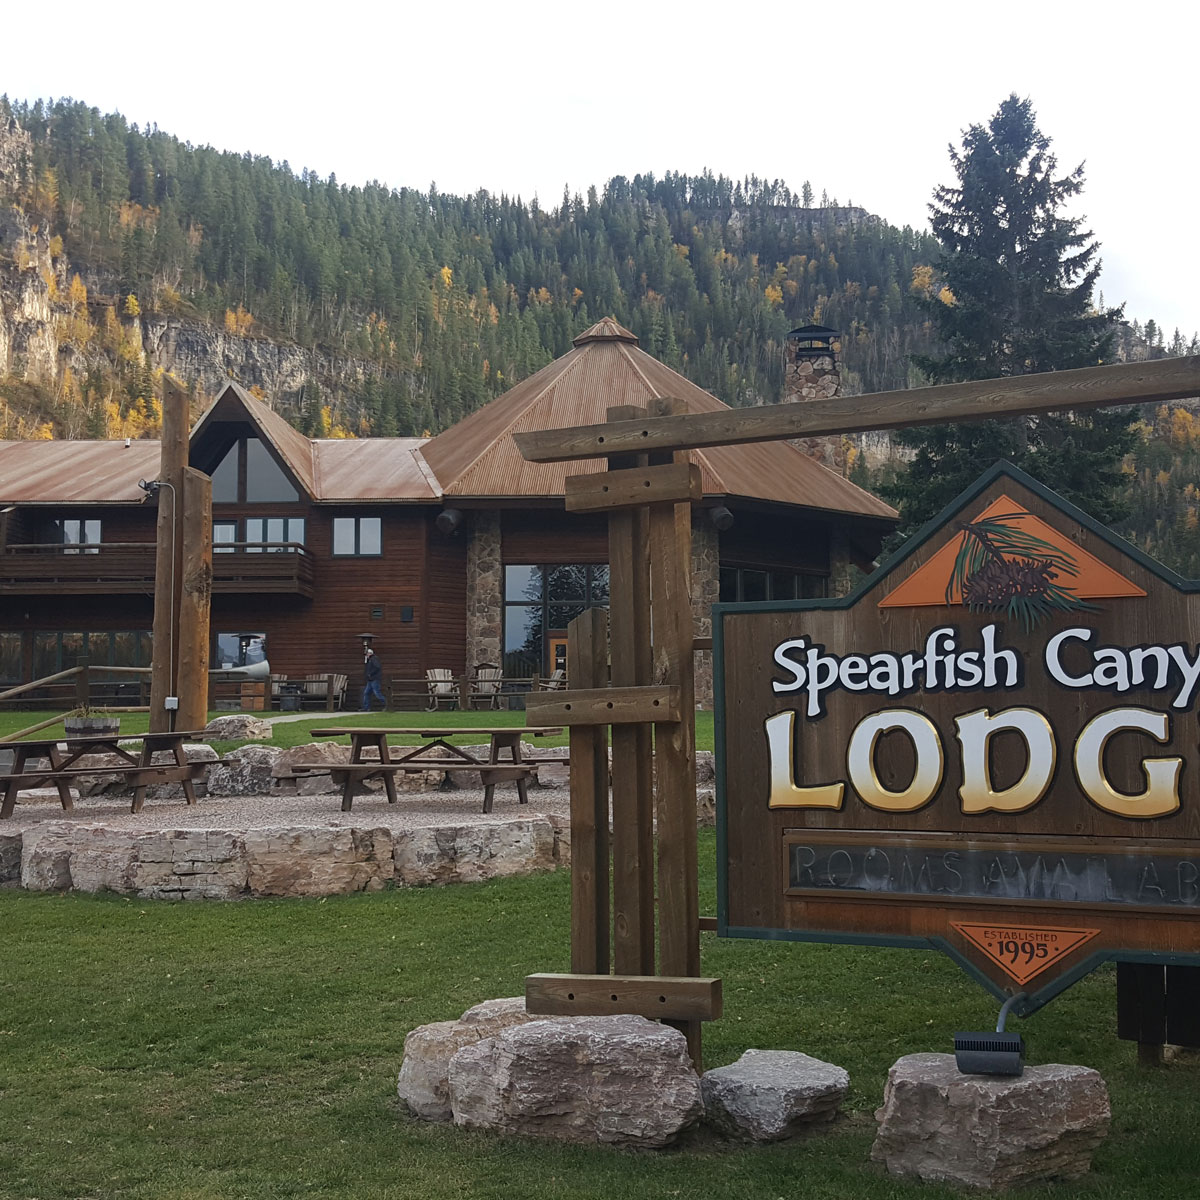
x=587, y=667
x=632, y=768
x=168, y=561
x=674, y=743
x=195, y=600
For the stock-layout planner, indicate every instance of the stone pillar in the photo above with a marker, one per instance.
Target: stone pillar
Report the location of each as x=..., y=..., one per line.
x=485, y=591
x=811, y=377
x=706, y=585
x=813, y=373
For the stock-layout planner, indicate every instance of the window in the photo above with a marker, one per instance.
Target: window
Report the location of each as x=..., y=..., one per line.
x=750, y=583
x=239, y=650
x=10, y=657
x=278, y=531
x=77, y=532
x=249, y=474
x=357, y=535
x=58, y=650
x=224, y=533
x=539, y=603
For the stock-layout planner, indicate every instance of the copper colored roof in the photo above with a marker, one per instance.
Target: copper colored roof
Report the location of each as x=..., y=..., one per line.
x=372, y=469
x=478, y=458
x=70, y=472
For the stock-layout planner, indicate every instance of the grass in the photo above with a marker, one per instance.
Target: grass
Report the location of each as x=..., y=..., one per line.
x=155, y=1051
x=295, y=733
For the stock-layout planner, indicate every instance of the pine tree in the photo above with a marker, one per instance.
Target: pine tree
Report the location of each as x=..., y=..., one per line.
x=1016, y=298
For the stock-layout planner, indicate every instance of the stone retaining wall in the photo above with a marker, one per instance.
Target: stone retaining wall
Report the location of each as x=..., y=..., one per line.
x=224, y=864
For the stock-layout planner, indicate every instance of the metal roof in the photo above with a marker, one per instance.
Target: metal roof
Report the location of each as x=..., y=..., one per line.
x=372, y=469
x=477, y=458
x=76, y=472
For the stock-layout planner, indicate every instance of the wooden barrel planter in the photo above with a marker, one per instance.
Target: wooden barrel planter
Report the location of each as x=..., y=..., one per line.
x=102, y=726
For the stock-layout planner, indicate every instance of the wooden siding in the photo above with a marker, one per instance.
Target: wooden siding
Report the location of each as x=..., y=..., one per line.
x=444, y=609
x=767, y=540
x=553, y=536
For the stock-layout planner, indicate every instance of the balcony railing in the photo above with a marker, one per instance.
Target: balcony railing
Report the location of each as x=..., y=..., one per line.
x=128, y=567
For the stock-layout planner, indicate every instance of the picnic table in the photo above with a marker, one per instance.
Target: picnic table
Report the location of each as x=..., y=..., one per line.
x=416, y=758
x=63, y=755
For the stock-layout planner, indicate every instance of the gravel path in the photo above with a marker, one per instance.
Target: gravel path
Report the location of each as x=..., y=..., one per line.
x=371, y=810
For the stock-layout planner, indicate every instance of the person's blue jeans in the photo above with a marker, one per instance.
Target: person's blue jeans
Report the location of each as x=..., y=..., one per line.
x=372, y=689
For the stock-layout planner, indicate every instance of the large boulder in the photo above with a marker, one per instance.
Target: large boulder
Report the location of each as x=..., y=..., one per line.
x=238, y=727
x=622, y=1080
x=10, y=857
x=318, y=861
x=46, y=857
x=768, y=1095
x=988, y=1131
x=316, y=784
x=424, y=1080
x=190, y=864
x=245, y=771
x=471, y=853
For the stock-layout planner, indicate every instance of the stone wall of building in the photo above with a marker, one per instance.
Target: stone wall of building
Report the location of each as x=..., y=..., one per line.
x=485, y=591
x=842, y=572
x=706, y=585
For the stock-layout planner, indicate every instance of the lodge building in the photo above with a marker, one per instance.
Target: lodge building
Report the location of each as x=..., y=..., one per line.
x=451, y=551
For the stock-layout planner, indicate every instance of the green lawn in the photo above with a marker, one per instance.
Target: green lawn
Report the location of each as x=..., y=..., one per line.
x=200, y=1051
x=294, y=733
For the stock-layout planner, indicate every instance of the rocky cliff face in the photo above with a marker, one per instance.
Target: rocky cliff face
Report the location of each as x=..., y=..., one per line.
x=28, y=277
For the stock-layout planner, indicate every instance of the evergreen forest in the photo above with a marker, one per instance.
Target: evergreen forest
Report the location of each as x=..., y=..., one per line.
x=438, y=303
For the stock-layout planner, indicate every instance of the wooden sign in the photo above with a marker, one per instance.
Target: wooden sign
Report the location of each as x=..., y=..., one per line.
x=991, y=748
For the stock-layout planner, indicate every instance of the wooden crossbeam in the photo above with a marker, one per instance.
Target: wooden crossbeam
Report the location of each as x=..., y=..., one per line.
x=604, y=706
x=1088, y=387
x=667, y=484
x=656, y=996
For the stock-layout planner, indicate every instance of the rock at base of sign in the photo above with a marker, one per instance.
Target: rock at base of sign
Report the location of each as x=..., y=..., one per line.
x=768, y=1095
x=617, y=1080
x=989, y=1132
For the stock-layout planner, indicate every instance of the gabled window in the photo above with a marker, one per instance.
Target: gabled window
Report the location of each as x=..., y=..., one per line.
x=249, y=474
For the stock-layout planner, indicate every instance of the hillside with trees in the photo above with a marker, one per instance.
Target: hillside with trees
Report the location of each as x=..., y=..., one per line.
x=442, y=301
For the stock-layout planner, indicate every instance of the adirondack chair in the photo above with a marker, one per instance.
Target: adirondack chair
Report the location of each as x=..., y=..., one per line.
x=485, y=686
x=554, y=682
x=443, y=688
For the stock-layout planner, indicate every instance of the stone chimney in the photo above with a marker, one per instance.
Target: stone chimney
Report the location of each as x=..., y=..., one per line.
x=811, y=368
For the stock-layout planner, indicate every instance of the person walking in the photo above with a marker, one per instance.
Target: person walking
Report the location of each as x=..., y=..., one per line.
x=372, y=672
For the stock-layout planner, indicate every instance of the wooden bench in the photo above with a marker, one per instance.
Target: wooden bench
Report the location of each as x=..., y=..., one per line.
x=62, y=758
x=137, y=777
x=347, y=773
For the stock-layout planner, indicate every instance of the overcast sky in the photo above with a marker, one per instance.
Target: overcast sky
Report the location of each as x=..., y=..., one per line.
x=861, y=99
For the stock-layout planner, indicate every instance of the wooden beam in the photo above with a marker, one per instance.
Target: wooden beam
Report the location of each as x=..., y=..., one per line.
x=587, y=665
x=667, y=484
x=1088, y=387
x=655, y=996
x=674, y=749
x=168, y=562
x=194, y=600
x=632, y=764
x=605, y=706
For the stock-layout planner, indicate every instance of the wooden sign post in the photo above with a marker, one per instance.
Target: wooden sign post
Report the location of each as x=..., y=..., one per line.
x=651, y=677
x=182, y=579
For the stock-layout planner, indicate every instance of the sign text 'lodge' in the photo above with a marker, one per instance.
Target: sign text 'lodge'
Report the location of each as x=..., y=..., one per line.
x=991, y=748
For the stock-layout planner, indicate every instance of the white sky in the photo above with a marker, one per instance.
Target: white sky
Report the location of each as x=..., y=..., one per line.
x=861, y=99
